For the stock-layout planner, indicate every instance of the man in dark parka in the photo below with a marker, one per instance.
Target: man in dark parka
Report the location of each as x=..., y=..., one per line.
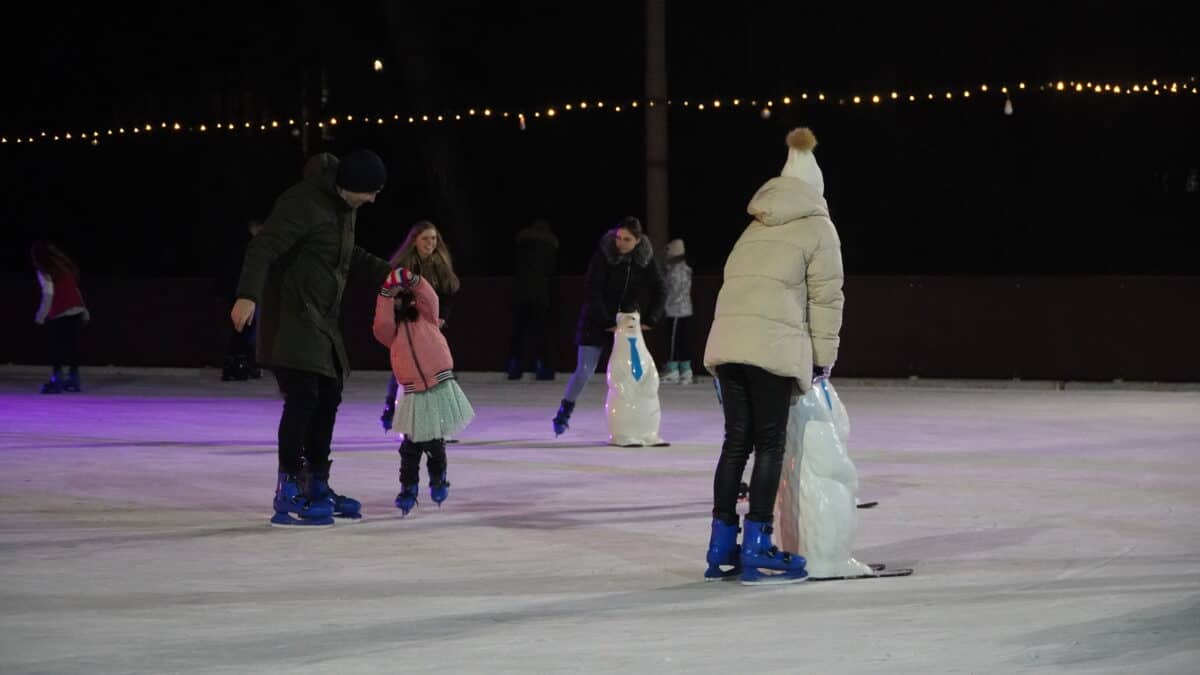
x=296, y=268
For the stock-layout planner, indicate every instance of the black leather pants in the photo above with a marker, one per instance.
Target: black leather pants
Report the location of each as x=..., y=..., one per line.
x=756, y=406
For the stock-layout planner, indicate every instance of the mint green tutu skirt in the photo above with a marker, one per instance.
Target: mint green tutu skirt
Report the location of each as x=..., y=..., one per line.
x=434, y=413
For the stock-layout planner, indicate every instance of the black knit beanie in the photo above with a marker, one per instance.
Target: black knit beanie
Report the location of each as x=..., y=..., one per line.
x=361, y=171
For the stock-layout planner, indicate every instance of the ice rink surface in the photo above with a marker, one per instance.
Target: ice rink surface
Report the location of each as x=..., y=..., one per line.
x=1051, y=530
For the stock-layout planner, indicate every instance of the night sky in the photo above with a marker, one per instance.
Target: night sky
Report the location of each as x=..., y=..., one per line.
x=943, y=188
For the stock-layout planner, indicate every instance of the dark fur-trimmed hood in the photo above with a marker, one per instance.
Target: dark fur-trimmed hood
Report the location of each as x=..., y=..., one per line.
x=642, y=255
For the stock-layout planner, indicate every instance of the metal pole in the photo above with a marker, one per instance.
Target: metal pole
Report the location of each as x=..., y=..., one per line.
x=657, y=211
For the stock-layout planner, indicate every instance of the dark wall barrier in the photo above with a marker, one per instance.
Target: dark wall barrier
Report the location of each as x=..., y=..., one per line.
x=1059, y=328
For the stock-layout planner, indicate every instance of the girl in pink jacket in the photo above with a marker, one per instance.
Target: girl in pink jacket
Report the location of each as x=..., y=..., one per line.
x=433, y=406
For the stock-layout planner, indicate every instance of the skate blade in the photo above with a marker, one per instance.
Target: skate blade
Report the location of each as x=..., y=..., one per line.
x=348, y=518
x=756, y=578
x=877, y=575
x=867, y=505
x=722, y=575
x=285, y=521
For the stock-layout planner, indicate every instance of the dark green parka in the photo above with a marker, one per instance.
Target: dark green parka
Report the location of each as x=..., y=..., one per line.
x=295, y=271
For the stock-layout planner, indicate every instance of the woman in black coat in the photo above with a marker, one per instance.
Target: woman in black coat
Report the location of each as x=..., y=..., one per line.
x=621, y=272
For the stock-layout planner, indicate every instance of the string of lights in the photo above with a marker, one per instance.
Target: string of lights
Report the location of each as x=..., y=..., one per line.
x=1153, y=87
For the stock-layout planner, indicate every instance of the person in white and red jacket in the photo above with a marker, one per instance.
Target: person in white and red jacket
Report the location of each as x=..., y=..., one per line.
x=62, y=312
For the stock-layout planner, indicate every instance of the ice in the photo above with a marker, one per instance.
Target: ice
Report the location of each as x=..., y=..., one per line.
x=1051, y=531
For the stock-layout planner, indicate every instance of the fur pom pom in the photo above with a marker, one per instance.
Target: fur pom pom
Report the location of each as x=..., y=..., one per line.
x=801, y=138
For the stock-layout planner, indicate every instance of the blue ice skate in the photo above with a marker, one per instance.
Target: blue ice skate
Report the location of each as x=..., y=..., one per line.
x=319, y=492
x=439, y=489
x=292, y=508
x=723, y=552
x=763, y=562
x=407, y=499
x=562, y=419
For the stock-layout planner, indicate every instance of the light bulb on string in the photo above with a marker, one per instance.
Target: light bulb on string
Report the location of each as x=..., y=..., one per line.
x=521, y=121
x=487, y=112
x=895, y=96
x=787, y=100
x=1060, y=85
x=857, y=100
x=875, y=98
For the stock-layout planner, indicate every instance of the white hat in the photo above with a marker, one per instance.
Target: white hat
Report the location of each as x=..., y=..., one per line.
x=674, y=248
x=801, y=163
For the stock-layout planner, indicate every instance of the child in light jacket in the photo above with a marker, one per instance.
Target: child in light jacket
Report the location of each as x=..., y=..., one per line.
x=678, y=280
x=433, y=406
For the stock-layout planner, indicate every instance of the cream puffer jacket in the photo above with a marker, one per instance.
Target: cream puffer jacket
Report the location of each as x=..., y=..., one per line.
x=780, y=306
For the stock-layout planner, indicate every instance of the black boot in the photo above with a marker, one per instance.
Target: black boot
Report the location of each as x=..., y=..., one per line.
x=514, y=368
x=563, y=417
x=72, y=382
x=55, y=384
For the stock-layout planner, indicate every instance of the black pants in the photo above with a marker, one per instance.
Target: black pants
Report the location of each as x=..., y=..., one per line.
x=679, y=342
x=62, y=341
x=756, y=407
x=410, y=460
x=529, y=334
x=310, y=403
x=241, y=344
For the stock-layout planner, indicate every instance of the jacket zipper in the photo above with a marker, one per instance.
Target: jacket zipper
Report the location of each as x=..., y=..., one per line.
x=413, y=349
x=621, y=302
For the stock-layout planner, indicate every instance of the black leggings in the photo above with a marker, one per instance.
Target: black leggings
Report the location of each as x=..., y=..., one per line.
x=63, y=340
x=310, y=404
x=756, y=407
x=410, y=460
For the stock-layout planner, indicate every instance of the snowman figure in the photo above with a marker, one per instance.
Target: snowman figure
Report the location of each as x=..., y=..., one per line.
x=632, y=404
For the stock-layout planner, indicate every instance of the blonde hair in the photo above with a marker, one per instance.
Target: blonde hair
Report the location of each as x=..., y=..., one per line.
x=438, y=268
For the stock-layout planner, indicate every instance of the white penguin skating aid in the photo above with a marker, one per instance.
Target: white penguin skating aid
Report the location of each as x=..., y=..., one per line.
x=815, y=510
x=632, y=404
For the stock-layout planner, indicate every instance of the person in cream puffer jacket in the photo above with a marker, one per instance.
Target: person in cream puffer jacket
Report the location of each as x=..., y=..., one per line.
x=775, y=326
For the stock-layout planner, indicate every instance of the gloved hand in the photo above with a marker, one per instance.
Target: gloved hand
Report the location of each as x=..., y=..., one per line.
x=398, y=280
x=821, y=371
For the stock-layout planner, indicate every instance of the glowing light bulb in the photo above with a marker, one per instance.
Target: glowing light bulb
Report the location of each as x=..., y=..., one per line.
x=821, y=97
x=203, y=128
x=1003, y=90
x=717, y=104
x=875, y=98
x=737, y=101
x=292, y=122
x=617, y=108
x=471, y=111
x=983, y=87
x=333, y=121
x=911, y=97
x=701, y=106
x=857, y=99
x=148, y=127
x=1060, y=86
x=634, y=104
x=551, y=112
x=1117, y=89
x=1098, y=89
x=787, y=100
x=378, y=65
x=1021, y=85
x=804, y=97
x=487, y=112
x=949, y=95
x=765, y=113
x=583, y=105
x=966, y=94
x=1136, y=88
x=1154, y=82
x=1078, y=87
x=424, y=118
x=176, y=126
x=895, y=96
x=411, y=120
x=440, y=118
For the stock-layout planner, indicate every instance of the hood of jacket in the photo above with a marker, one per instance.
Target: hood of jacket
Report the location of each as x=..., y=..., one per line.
x=641, y=255
x=783, y=199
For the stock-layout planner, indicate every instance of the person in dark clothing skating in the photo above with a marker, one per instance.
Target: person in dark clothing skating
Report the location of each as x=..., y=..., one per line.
x=537, y=255
x=620, y=273
x=296, y=268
